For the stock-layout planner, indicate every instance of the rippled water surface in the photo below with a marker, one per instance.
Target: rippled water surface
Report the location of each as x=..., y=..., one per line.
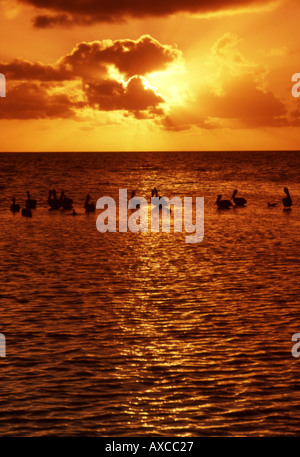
x=142, y=334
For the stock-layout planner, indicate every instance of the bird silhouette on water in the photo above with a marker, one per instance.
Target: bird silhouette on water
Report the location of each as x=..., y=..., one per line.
x=287, y=201
x=30, y=202
x=154, y=192
x=238, y=201
x=26, y=212
x=89, y=207
x=223, y=204
x=53, y=201
x=14, y=207
x=65, y=202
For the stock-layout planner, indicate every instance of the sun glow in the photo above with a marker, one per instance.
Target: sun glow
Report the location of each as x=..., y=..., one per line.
x=174, y=88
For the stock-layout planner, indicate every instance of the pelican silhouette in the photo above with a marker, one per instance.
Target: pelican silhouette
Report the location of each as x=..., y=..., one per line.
x=287, y=201
x=52, y=200
x=65, y=202
x=14, y=207
x=154, y=192
x=30, y=202
x=26, y=212
x=223, y=204
x=89, y=207
x=238, y=201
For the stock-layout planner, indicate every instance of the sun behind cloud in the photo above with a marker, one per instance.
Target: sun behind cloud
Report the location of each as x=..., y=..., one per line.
x=107, y=76
x=162, y=75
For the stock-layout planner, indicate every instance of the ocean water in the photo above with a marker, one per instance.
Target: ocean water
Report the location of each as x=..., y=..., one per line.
x=143, y=334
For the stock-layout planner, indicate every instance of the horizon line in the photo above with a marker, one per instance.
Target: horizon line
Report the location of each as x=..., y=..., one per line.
x=144, y=151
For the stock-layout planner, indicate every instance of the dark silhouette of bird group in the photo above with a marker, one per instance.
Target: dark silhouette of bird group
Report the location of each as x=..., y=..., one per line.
x=30, y=204
x=241, y=201
x=66, y=203
x=63, y=202
x=226, y=204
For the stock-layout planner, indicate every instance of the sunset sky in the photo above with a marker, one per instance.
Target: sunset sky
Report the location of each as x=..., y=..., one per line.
x=150, y=75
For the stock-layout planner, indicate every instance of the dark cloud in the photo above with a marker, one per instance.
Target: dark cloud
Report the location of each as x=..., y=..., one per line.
x=130, y=57
x=38, y=90
x=112, y=95
x=70, y=12
x=24, y=70
x=31, y=101
x=92, y=60
x=45, y=21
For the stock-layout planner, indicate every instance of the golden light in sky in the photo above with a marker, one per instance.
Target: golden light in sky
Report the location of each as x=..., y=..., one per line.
x=164, y=76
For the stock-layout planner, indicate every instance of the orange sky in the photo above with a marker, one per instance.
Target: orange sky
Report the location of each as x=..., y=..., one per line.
x=173, y=75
